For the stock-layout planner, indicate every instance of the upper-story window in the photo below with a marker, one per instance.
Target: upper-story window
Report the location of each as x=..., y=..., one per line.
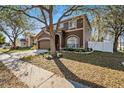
x=80, y=23
x=65, y=25
x=70, y=24
x=54, y=27
x=61, y=25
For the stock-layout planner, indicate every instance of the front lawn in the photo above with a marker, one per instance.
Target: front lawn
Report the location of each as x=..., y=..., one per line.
x=95, y=70
x=8, y=80
x=14, y=50
x=19, y=50
x=102, y=59
x=3, y=50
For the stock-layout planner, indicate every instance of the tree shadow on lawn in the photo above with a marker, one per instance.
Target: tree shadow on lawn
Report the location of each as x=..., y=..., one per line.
x=71, y=76
x=108, y=60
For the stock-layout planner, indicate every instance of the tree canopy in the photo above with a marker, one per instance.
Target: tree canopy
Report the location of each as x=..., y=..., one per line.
x=2, y=38
x=13, y=24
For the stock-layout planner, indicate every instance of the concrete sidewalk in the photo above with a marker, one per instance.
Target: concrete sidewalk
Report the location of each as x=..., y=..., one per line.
x=36, y=77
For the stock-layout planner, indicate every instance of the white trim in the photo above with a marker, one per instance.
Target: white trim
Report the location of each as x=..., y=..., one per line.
x=57, y=34
x=42, y=32
x=75, y=29
x=73, y=23
x=47, y=32
x=45, y=38
x=73, y=36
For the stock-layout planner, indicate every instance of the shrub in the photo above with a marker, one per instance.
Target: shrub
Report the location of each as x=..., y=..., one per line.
x=4, y=48
x=48, y=49
x=89, y=49
x=47, y=56
x=83, y=50
x=69, y=49
x=75, y=49
x=34, y=47
x=59, y=55
x=27, y=58
x=78, y=49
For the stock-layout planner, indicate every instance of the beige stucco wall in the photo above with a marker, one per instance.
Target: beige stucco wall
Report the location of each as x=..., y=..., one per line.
x=86, y=32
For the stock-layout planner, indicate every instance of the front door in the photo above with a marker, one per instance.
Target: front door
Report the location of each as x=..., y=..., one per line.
x=57, y=41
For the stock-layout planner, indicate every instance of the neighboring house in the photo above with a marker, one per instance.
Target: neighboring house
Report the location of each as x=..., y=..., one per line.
x=21, y=42
x=28, y=41
x=73, y=33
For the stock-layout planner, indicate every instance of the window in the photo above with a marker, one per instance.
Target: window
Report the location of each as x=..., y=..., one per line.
x=73, y=42
x=70, y=24
x=54, y=27
x=66, y=26
x=61, y=25
x=75, y=23
x=80, y=23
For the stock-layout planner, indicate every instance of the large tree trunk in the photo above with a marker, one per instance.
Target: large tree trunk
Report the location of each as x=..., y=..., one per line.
x=14, y=43
x=115, y=45
x=52, y=46
x=52, y=34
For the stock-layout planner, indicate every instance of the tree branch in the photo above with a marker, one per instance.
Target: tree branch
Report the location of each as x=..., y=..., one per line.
x=44, y=16
x=65, y=14
x=24, y=12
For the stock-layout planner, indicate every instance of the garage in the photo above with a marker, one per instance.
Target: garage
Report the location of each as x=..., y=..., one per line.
x=44, y=44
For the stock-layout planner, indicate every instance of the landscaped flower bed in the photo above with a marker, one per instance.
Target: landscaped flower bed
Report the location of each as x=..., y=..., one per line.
x=48, y=56
x=78, y=50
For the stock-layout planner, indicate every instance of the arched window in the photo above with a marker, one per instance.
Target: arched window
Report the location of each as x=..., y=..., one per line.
x=73, y=42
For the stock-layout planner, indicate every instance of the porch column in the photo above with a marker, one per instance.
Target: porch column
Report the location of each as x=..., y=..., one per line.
x=60, y=37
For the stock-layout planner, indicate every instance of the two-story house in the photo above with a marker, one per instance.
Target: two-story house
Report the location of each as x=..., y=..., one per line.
x=30, y=39
x=27, y=41
x=73, y=33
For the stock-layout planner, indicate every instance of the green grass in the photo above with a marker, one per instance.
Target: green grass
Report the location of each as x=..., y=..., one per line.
x=14, y=50
x=103, y=59
x=3, y=50
x=19, y=50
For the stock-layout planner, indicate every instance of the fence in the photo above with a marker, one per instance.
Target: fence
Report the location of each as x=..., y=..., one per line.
x=101, y=46
x=121, y=43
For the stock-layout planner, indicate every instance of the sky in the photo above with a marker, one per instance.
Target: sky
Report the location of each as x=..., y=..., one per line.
x=57, y=13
